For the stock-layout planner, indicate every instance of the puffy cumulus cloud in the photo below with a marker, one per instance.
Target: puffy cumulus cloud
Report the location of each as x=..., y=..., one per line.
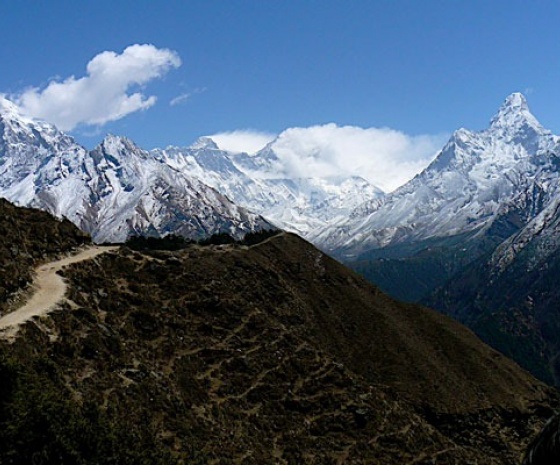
x=385, y=157
x=243, y=140
x=104, y=93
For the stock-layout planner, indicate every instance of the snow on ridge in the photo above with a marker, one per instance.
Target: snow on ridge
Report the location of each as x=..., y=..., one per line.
x=465, y=188
x=259, y=182
x=115, y=190
x=121, y=187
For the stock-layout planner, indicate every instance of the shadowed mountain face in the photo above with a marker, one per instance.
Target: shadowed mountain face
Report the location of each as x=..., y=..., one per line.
x=272, y=353
x=475, y=236
x=515, y=310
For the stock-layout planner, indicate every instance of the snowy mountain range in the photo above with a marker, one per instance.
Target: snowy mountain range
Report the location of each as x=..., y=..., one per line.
x=475, y=235
x=260, y=183
x=118, y=189
x=477, y=178
x=485, y=211
x=111, y=192
x=494, y=190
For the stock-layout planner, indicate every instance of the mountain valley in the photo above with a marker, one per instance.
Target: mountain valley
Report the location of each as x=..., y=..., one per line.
x=252, y=354
x=269, y=348
x=475, y=235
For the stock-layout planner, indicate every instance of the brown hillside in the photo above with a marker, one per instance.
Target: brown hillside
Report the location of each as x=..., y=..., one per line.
x=431, y=359
x=266, y=354
x=29, y=236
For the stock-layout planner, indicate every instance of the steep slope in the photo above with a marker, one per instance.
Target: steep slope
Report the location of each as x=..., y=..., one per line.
x=111, y=192
x=467, y=186
x=482, y=188
x=269, y=353
x=29, y=237
x=476, y=236
x=137, y=194
x=262, y=183
x=510, y=298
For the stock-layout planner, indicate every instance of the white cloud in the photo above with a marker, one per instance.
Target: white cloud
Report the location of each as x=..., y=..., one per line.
x=385, y=157
x=182, y=98
x=242, y=140
x=103, y=94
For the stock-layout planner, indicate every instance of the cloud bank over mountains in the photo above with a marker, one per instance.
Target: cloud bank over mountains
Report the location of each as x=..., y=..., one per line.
x=106, y=93
x=385, y=157
x=243, y=140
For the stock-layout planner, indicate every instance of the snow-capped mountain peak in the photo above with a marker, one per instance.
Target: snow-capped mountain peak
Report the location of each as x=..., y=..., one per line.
x=114, y=144
x=119, y=148
x=7, y=107
x=113, y=191
x=463, y=190
x=515, y=118
x=204, y=143
x=18, y=121
x=261, y=183
x=514, y=134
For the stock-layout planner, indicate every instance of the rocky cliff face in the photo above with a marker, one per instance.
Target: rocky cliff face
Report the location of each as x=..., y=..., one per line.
x=514, y=308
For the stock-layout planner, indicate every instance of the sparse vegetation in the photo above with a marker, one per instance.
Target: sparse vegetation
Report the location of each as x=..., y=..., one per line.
x=28, y=237
x=170, y=242
x=173, y=242
x=252, y=238
x=253, y=355
x=40, y=424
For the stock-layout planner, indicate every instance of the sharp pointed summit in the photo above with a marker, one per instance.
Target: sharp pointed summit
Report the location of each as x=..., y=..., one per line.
x=464, y=189
x=120, y=146
x=475, y=235
x=515, y=100
x=514, y=115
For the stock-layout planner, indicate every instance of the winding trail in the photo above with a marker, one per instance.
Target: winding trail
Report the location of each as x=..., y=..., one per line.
x=49, y=289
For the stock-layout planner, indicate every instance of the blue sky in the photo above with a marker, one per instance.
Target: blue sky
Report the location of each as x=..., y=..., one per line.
x=419, y=67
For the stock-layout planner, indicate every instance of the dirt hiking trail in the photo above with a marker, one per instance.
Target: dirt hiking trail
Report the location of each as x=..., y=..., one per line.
x=49, y=289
